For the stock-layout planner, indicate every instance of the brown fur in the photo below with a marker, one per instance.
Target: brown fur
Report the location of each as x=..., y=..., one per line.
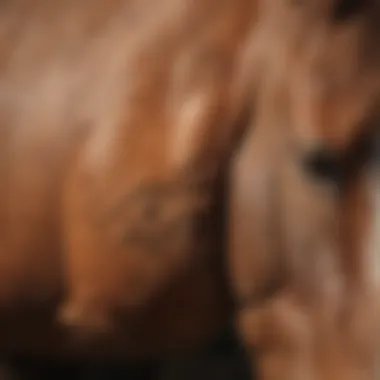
x=322, y=84
x=117, y=123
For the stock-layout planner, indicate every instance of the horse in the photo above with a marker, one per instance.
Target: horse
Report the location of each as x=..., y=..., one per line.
x=117, y=121
x=322, y=87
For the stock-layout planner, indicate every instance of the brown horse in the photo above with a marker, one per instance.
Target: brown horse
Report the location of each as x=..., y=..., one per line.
x=322, y=87
x=116, y=124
